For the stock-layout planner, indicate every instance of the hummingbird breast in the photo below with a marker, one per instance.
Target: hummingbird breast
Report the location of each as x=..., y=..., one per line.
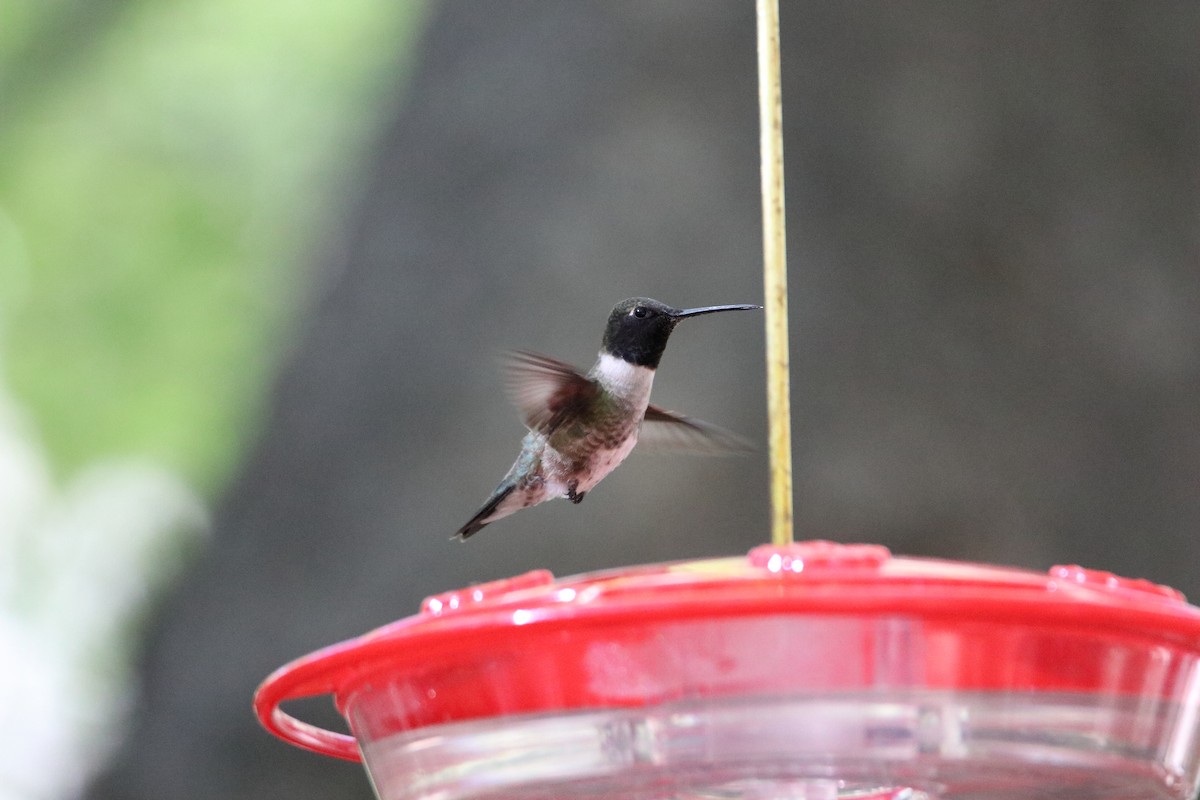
x=589, y=447
x=586, y=460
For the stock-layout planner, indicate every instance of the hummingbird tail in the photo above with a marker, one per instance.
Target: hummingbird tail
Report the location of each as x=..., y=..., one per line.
x=481, y=517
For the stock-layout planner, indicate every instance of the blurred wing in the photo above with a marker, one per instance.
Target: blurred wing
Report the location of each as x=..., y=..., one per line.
x=667, y=432
x=546, y=391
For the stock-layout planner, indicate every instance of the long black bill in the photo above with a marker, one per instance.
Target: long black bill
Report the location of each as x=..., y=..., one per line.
x=695, y=312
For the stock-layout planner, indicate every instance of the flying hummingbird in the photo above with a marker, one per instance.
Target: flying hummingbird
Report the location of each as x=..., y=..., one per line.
x=581, y=426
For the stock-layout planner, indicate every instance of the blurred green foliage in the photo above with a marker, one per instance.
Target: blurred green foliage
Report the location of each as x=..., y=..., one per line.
x=169, y=173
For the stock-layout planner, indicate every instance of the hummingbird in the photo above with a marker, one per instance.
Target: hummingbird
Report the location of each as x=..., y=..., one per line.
x=582, y=425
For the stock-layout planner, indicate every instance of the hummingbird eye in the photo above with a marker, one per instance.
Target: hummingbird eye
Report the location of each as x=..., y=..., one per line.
x=640, y=312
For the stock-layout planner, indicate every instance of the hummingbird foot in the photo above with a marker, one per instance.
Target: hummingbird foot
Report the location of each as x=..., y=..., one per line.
x=572, y=495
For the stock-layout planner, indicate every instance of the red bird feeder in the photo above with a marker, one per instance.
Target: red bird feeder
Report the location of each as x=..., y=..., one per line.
x=815, y=670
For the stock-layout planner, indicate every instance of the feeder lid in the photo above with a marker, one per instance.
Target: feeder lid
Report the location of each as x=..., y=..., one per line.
x=816, y=577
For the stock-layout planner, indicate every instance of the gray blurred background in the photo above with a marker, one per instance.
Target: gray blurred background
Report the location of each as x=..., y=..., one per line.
x=994, y=251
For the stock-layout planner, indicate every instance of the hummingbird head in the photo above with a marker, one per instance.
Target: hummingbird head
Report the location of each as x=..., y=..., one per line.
x=638, y=328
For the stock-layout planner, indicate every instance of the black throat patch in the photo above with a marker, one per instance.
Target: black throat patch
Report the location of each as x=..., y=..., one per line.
x=638, y=330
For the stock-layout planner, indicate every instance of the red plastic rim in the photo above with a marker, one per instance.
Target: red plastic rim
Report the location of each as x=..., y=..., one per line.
x=815, y=578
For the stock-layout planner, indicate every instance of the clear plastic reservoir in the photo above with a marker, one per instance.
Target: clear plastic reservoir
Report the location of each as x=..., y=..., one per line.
x=926, y=745
x=815, y=671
